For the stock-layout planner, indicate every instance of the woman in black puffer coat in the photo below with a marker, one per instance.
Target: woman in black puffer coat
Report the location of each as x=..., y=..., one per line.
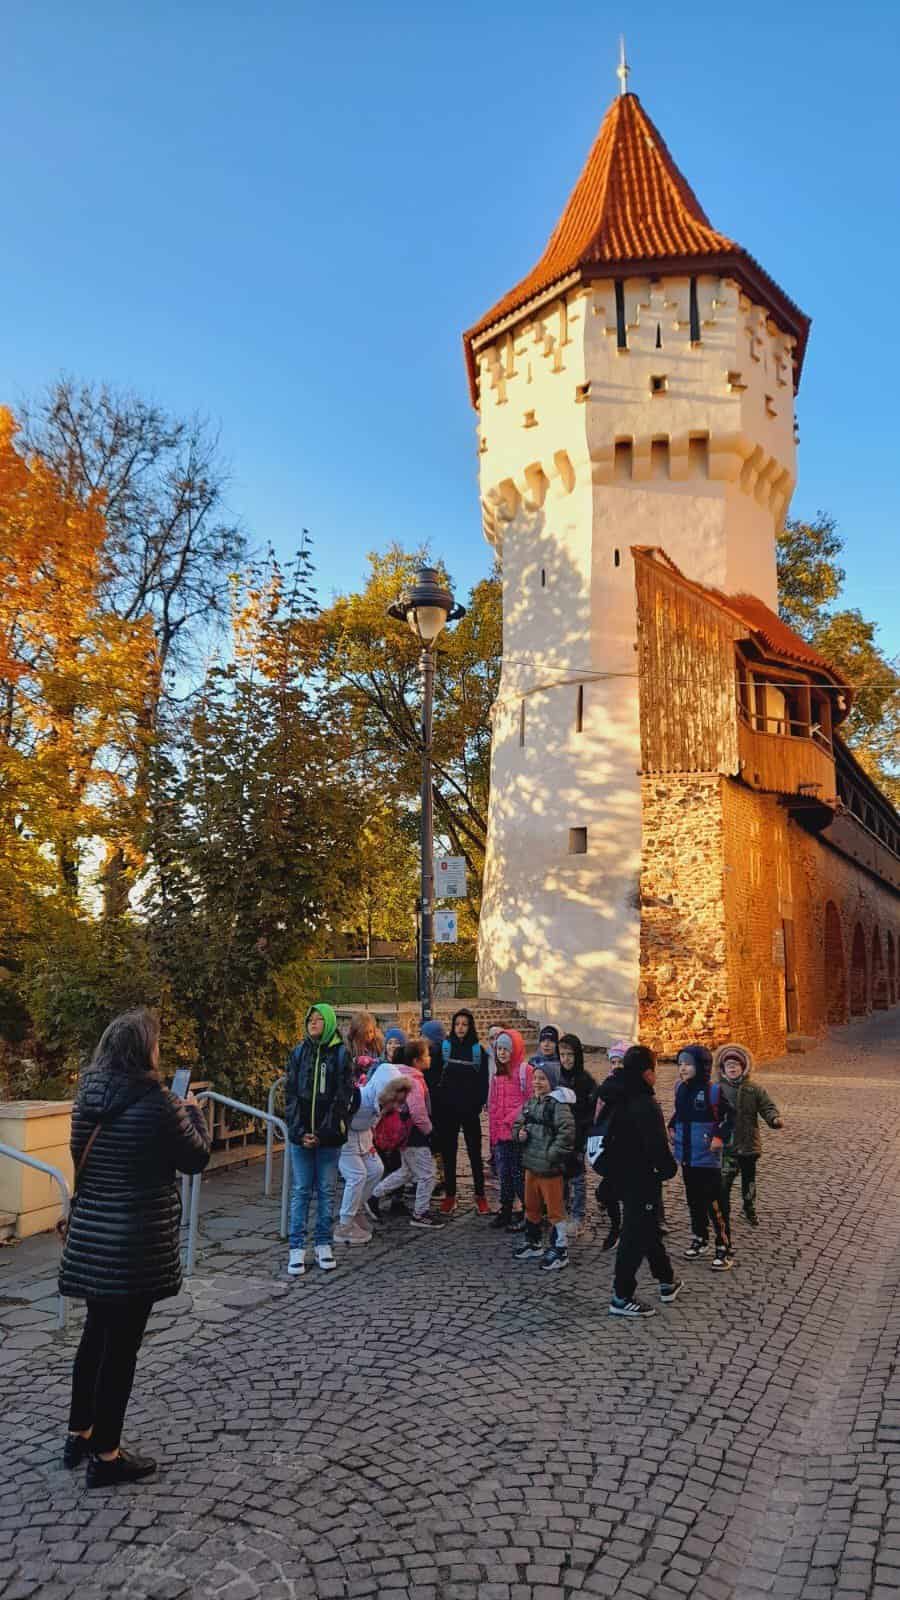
x=122, y=1247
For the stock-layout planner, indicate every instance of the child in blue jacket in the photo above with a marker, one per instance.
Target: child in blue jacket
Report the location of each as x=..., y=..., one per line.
x=700, y=1131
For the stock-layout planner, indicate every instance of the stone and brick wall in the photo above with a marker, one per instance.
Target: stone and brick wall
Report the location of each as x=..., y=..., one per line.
x=724, y=869
x=683, y=986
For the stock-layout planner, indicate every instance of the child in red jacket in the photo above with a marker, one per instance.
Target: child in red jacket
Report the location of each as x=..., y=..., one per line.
x=511, y=1087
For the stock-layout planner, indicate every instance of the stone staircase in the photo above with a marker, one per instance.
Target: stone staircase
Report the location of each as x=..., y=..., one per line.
x=488, y=1013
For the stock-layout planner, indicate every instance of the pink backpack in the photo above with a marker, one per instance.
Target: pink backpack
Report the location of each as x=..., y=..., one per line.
x=392, y=1131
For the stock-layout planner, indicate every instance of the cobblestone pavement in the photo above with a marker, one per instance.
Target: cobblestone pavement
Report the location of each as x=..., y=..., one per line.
x=435, y=1422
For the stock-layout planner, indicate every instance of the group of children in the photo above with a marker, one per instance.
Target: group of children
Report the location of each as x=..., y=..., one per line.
x=386, y=1114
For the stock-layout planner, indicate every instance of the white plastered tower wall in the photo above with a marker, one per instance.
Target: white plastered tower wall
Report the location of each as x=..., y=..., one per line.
x=587, y=448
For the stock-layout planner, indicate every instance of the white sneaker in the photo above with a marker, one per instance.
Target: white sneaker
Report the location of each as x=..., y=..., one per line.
x=325, y=1257
x=297, y=1263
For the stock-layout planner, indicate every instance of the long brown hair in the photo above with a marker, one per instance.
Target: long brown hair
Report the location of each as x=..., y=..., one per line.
x=127, y=1045
x=364, y=1037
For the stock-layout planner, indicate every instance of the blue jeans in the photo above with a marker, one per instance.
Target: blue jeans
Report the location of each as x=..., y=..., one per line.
x=576, y=1192
x=312, y=1169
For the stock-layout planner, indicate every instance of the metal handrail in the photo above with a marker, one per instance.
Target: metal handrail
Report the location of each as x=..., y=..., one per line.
x=194, y=1201
x=65, y=1200
x=270, y=1134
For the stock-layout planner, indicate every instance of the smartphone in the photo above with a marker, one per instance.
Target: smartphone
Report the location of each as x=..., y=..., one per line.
x=181, y=1082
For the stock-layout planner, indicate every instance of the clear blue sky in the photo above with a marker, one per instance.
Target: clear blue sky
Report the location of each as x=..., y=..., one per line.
x=283, y=215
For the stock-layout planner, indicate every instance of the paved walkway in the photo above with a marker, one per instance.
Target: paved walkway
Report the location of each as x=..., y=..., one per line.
x=436, y=1422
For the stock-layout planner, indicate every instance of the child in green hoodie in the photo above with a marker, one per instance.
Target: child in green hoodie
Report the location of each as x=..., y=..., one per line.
x=320, y=1098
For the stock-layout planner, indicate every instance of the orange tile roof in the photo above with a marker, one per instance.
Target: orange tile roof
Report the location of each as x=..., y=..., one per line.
x=773, y=636
x=631, y=207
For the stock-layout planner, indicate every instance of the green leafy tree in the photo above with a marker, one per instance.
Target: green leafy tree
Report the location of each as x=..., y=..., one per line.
x=371, y=668
x=810, y=581
x=253, y=814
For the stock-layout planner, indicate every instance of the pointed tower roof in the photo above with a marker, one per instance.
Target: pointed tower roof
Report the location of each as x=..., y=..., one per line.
x=632, y=211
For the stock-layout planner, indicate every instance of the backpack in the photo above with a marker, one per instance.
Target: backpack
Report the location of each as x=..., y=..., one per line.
x=392, y=1131
x=476, y=1054
x=601, y=1143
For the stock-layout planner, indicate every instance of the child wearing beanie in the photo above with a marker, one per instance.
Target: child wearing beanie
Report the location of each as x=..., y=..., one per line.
x=746, y=1102
x=511, y=1087
x=548, y=1046
x=700, y=1128
x=545, y=1130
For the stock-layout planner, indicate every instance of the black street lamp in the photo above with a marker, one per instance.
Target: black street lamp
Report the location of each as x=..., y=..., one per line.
x=426, y=606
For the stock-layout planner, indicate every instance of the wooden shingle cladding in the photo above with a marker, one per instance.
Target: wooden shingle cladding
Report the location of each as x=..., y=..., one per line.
x=686, y=666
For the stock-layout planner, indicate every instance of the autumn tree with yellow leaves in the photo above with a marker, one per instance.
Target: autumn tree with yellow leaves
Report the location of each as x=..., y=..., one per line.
x=75, y=681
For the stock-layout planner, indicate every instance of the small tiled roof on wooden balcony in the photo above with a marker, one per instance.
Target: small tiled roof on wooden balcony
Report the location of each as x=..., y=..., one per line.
x=775, y=639
x=632, y=211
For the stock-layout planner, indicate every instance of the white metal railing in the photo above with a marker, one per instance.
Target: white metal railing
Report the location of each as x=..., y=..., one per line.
x=270, y=1133
x=65, y=1200
x=190, y=1189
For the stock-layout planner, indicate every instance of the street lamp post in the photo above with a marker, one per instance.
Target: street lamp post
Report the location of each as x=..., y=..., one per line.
x=426, y=606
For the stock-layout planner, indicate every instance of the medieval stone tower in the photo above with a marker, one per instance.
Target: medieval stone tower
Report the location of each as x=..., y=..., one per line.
x=636, y=388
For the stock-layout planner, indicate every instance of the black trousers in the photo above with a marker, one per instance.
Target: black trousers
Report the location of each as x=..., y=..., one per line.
x=640, y=1238
x=104, y=1368
x=703, y=1191
x=470, y=1127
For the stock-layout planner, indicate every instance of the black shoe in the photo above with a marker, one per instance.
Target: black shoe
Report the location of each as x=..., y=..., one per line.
x=516, y=1223
x=555, y=1258
x=372, y=1209
x=75, y=1449
x=426, y=1220
x=611, y=1240
x=501, y=1219
x=124, y=1468
x=751, y=1217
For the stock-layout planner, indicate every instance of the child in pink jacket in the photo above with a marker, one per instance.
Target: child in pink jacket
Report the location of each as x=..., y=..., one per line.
x=416, y=1164
x=510, y=1088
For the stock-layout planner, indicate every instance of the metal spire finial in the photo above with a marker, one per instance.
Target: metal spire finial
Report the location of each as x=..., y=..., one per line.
x=623, y=69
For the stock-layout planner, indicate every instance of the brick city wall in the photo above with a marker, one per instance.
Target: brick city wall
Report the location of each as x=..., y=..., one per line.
x=723, y=869
x=777, y=871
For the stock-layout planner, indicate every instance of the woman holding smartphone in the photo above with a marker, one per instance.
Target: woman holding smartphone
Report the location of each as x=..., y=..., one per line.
x=130, y=1136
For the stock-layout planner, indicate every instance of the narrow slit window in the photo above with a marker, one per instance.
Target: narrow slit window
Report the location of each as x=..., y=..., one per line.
x=521, y=724
x=543, y=577
x=579, y=709
x=617, y=558
x=578, y=841
x=621, y=330
x=694, y=313
x=659, y=336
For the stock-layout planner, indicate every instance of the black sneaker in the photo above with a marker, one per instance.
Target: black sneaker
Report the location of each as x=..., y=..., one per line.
x=500, y=1219
x=372, y=1209
x=724, y=1260
x=517, y=1224
x=555, y=1258
x=528, y=1251
x=751, y=1217
x=75, y=1449
x=126, y=1467
x=670, y=1291
x=697, y=1247
x=426, y=1220
x=630, y=1308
